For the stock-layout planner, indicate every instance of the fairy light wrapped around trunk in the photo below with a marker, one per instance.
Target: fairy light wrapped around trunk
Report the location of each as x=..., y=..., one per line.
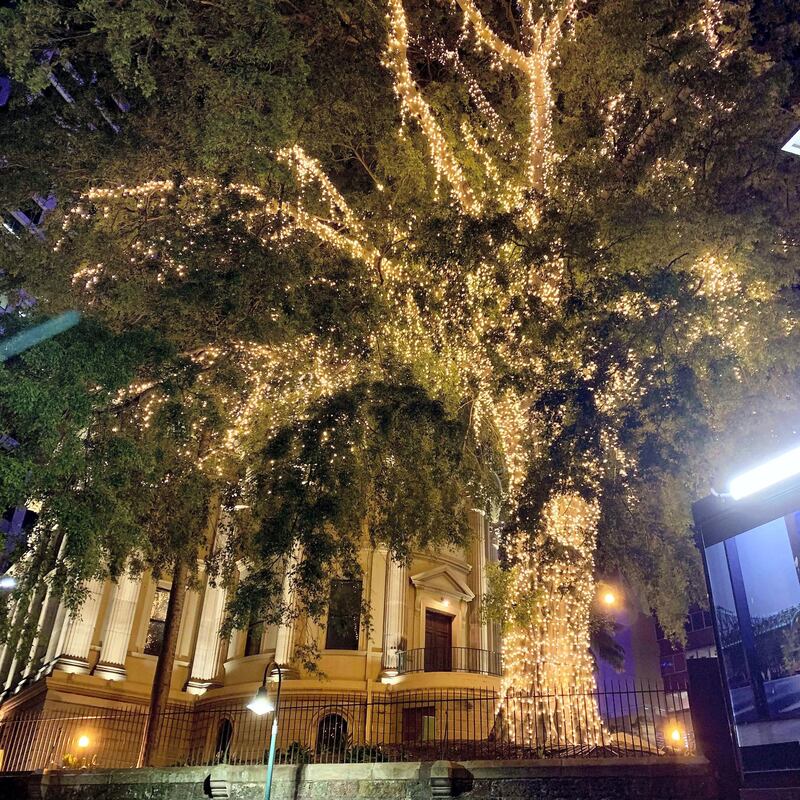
x=549, y=679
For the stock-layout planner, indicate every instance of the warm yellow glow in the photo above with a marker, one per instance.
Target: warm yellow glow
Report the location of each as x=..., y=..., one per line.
x=609, y=598
x=549, y=655
x=675, y=735
x=83, y=741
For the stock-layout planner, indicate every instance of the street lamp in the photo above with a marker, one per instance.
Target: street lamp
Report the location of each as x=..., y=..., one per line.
x=675, y=738
x=609, y=598
x=262, y=704
x=607, y=595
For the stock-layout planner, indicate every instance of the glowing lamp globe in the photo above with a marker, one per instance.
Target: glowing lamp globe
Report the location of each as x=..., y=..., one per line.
x=609, y=598
x=261, y=704
x=83, y=741
x=675, y=735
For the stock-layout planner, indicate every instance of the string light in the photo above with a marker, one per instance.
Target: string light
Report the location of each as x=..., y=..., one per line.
x=546, y=655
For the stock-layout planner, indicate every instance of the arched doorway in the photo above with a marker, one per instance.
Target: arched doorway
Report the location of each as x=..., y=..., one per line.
x=224, y=736
x=332, y=735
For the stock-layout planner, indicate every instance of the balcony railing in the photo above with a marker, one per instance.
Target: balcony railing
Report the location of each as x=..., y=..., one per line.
x=449, y=659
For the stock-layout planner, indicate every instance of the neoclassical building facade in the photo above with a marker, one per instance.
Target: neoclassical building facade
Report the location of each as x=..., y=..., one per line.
x=426, y=631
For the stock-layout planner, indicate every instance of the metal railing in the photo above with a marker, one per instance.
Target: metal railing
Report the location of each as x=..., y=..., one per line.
x=449, y=659
x=348, y=728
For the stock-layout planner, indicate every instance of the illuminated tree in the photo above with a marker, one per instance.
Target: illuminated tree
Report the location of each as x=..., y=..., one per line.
x=577, y=247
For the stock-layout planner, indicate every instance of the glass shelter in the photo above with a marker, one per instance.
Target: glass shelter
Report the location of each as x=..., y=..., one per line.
x=751, y=554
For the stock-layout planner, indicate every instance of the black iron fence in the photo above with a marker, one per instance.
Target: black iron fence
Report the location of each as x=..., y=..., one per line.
x=449, y=659
x=349, y=728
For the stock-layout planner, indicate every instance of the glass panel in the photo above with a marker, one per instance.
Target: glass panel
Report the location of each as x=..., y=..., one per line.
x=773, y=600
x=730, y=636
x=755, y=584
x=332, y=734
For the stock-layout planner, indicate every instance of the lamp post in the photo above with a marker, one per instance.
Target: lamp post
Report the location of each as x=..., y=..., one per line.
x=262, y=704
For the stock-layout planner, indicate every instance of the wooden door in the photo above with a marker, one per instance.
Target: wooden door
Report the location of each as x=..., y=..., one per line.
x=438, y=642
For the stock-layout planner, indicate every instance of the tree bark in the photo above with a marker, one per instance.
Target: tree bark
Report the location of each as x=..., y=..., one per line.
x=166, y=661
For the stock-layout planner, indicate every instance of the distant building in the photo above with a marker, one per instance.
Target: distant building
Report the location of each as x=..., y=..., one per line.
x=94, y=112
x=699, y=644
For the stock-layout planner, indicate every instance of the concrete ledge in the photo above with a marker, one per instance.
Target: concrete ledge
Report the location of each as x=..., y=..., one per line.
x=599, y=767
x=666, y=778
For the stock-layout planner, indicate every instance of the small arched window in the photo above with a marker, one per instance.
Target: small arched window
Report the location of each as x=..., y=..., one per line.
x=332, y=734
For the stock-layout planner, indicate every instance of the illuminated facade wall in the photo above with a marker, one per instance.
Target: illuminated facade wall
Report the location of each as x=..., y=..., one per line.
x=107, y=653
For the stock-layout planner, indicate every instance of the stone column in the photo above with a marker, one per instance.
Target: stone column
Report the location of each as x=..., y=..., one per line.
x=56, y=639
x=394, y=615
x=45, y=631
x=18, y=656
x=117, y=635
x=478, y=551
x=8, y=650
x=208, y=648
x=285, y=641
x=78, y=630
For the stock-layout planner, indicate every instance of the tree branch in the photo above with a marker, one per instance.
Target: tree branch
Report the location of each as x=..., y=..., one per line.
x=507, y=53
x=653, y=129
x=444, y=161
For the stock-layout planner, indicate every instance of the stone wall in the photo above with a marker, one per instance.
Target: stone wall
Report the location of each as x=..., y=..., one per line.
x=657, y=778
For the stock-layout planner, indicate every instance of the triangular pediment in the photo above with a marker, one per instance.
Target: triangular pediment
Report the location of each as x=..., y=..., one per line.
x=443, y=580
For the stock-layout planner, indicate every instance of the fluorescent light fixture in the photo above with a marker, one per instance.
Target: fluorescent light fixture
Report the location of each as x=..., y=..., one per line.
x=261, y=704
x=769, y=473
x=8, y=582
x=793, y=145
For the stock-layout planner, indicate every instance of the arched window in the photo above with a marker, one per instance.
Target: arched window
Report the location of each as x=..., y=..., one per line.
x=332, y=734
x=224, y=736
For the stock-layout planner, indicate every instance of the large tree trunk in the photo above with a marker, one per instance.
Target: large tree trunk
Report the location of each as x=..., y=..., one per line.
x=166, y=661
x=549, y=682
